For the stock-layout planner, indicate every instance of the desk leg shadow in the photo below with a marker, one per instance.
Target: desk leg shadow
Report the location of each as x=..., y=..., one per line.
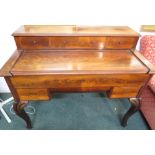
x=19, y=110
x=135, y=106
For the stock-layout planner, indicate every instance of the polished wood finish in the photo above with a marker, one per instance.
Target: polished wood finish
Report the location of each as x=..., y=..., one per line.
x=75, y=37
x=19, y=109
x=76, y=42
x=120, y=86
x=74, y=30
x=61, y=81
x=5, y=70
x=121, y=42
x=32, y=42
x=150, y=66
x=12, y=89
x=78, y=62
x=73, y=58
x=135, y=106
x=33, y=94
x=124, y=92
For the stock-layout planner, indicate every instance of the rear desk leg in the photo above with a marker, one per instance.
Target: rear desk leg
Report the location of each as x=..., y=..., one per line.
x=135, y=106
x=19, y=109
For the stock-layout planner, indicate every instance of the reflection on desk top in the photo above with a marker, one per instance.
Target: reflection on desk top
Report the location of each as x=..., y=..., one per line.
x=74, y=30
x=40, y=62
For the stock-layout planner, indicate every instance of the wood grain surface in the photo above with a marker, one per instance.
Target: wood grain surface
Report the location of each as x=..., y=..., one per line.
x=77, y=62
x=72, y=58
x=74, y=30
x=5, y=70
x=76, y=42
x=150, y=66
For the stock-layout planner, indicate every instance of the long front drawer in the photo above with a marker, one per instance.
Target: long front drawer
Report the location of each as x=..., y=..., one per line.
x=116, y=86
x=80, y=81
x=76, y=42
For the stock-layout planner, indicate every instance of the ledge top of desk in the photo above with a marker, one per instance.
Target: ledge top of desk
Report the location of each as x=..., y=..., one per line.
x=74, y=30
x=41, y=62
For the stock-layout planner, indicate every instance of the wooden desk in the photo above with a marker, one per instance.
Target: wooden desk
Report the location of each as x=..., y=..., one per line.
x=72, y=58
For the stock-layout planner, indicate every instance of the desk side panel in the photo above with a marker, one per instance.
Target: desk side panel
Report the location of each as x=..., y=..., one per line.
x=5, y=70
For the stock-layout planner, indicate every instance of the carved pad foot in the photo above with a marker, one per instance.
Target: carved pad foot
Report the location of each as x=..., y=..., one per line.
x=19, y=110
x=135, y=106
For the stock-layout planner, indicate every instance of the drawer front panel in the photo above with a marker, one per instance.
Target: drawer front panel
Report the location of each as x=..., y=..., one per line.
x=32, y=42
x=58, y=82
x=33, y=94
x=121, y=42
x=124, y=92
x=76, y=42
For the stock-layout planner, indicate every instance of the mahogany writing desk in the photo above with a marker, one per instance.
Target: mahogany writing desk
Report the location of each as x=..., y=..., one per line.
x=72, y=58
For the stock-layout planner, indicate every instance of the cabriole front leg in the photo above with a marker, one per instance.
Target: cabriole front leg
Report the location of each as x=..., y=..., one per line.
x=135, y=106
x=19, y=110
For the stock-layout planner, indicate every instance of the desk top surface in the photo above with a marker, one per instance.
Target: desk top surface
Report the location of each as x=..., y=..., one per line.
x=40, y=62
x=74, y=30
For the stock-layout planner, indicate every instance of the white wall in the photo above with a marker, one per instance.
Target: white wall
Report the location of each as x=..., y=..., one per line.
x=14, y=13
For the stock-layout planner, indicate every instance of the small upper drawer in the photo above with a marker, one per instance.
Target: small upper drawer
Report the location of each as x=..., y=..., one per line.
x=32, y=42
x=77, y=42
x=121, y=42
